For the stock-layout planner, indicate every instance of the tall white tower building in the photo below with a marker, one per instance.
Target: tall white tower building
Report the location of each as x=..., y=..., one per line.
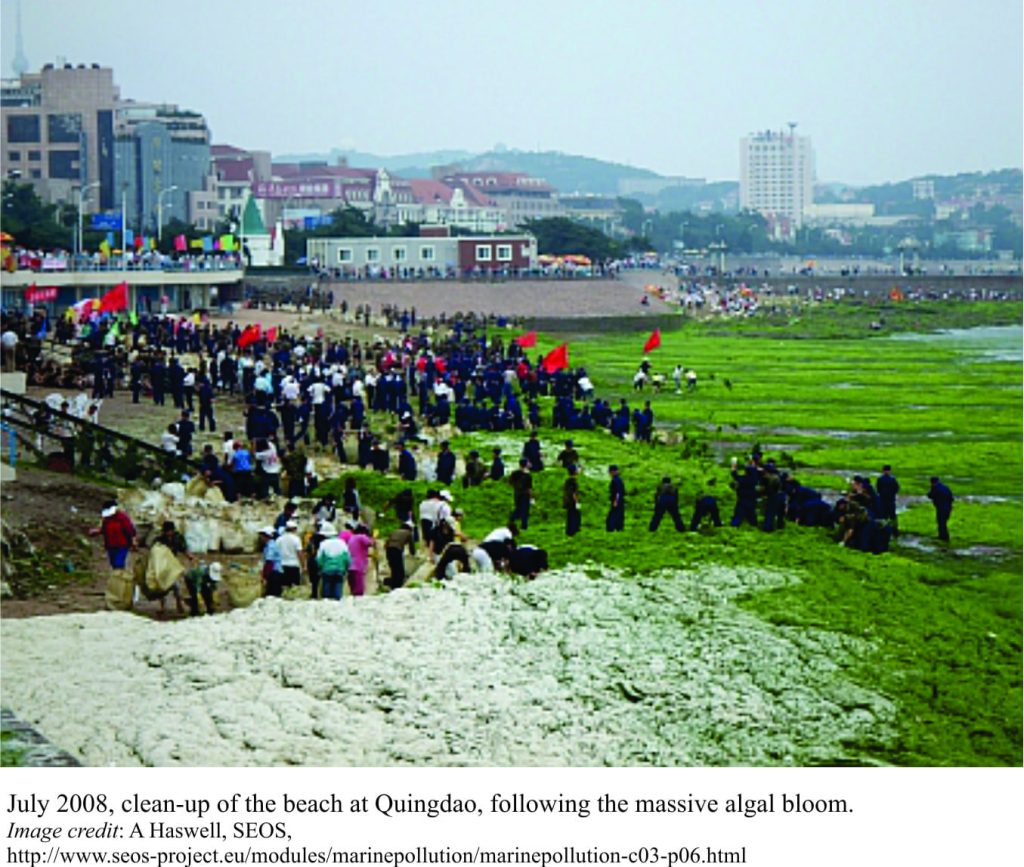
x=777, y=174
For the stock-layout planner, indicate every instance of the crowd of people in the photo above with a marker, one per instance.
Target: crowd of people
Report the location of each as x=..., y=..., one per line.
x=304, y=393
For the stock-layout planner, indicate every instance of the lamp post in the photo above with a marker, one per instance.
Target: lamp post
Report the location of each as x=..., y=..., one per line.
x=83, y=192
x=160, y=213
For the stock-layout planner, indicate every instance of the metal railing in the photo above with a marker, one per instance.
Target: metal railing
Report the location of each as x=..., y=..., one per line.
x=83, y=445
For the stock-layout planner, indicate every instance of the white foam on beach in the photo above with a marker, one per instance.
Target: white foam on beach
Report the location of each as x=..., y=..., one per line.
x=580, y=667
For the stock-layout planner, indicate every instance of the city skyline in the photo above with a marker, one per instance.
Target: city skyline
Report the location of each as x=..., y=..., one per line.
x=884, y=93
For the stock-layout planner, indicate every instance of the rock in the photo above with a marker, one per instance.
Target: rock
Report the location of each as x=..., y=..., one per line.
x=5, y=590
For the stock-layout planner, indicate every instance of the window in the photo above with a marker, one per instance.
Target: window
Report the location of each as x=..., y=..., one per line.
x=398, y=254
x=344, y=254
x=483, y=253
x=14, y=156
x=427, y=253
x=504, y=252
x=36, y=173
x=64, y=128
x=22, y=128
x=64, y=165
x=34, y=156
x=373, y=254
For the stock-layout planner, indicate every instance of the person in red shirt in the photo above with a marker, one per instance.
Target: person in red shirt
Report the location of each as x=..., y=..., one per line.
x=118, y=534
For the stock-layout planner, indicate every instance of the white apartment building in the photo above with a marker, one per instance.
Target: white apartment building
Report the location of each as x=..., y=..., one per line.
x=777, y=174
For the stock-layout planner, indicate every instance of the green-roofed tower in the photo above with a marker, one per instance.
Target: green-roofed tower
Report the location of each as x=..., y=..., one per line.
x=252, y=222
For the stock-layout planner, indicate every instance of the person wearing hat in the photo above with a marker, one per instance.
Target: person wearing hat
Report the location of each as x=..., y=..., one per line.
x=394, y=550
x=942, y=498
x=118, y=532
x=569, y=456
x=571, y=501
x=888, y=488
x=202, y=580
x=615, y=522
x=310, y=551
x=666, y=501
x=475, y=471
x=445, y=464
x=272, y=572
x=289, y=545
x=333, y=560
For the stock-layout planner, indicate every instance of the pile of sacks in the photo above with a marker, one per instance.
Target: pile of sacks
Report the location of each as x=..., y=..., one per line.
x=208, y=522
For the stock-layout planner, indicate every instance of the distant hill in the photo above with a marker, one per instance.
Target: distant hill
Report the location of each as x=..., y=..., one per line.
x=414, y=165
x=568, y=173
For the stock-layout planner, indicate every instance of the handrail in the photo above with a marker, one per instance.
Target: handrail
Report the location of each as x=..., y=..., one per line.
x=82, y=424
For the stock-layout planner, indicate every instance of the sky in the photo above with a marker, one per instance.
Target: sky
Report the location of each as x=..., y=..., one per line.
x=886, y=89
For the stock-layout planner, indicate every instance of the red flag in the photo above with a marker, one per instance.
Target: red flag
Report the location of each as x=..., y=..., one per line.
x=526, y=341
x=250, y=335
x=654, y=341
x=271, y=334
x=557, y=359
x=180, y=244
x=115, y=300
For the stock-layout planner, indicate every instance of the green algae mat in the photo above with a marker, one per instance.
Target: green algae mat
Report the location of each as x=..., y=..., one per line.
x=936, y=391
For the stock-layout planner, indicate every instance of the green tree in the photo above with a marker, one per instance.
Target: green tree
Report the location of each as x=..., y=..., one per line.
x=32, y=222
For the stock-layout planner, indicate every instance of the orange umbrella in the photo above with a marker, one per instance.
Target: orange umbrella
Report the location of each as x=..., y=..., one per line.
x=4, y=237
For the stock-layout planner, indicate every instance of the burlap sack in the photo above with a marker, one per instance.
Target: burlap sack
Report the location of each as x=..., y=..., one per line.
x=162, y=570
x=119, y=591
x=243, y=586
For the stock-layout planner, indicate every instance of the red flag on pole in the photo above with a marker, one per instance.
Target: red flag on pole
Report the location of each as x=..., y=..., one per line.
x=654, y=341
x=526, y=341
x=250, y=335
x=557, y=359
x=271, y=334
x=115, y=300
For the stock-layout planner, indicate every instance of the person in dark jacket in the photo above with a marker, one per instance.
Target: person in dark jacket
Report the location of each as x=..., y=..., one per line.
x=616, y=518
x=532, y=453
x=942, y=499
x=666, y=500
x=497, y=472
x=888, y=488
x=406, y=463
x=571, y=501
x=445, y=464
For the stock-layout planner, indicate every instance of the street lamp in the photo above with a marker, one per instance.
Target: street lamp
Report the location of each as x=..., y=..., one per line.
x=160, y=213
x=82, y=193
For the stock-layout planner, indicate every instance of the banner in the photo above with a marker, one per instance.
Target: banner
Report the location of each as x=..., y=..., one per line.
x=180, y=245
x=40, y=295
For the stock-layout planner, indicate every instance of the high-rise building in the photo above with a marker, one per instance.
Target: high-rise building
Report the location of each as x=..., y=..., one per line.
x=777, y=175
x=162, y=155
x=67, y=131
x=58, y=132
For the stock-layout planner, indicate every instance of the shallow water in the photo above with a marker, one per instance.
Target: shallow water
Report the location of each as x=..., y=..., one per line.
x=985, y=343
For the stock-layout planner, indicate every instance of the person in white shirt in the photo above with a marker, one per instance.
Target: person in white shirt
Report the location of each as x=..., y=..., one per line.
x=290, y=388
x=428, y=516
x=290, y=547
x=169, y=440
x=318, y=392
x=268, y=478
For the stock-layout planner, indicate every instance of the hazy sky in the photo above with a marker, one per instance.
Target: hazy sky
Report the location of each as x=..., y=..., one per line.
x=886, y=89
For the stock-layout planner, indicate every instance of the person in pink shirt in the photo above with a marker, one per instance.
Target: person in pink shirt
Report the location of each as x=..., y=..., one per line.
x=360, y=544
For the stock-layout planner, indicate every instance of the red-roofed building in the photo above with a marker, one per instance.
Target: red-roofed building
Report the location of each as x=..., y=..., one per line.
x=521, y=196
